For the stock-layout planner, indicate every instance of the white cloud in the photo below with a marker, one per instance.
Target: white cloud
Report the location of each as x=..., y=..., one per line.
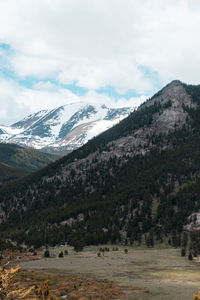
x=33, y=66
x=11, y=106
x=100, y=43
x=17, y=102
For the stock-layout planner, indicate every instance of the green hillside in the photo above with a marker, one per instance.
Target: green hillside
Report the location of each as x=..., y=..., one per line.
x=26, y=159
x=8, y=174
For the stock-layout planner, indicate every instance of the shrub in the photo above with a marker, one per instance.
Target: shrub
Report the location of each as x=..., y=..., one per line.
x=60, y=255
x=182, y=252
x=46, y=253
x=190, y=256
x=197, y=297
x=8, y=289
x=78, y=245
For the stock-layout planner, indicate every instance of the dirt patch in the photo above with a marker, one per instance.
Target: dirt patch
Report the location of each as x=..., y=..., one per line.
x=74, y=287
x=9, y=258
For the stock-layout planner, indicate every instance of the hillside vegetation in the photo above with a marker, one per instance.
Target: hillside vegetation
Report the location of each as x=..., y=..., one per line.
x=18, y=157
x=8, y=174
x=139, y=178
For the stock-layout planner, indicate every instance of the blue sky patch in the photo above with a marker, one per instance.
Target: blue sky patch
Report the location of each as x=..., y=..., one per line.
x=5, y=46
x=7, y=72
x=153, y=76
x=111, y=92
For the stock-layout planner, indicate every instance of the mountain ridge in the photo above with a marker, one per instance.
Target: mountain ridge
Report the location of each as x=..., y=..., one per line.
x=68, y=126
x=109, y=186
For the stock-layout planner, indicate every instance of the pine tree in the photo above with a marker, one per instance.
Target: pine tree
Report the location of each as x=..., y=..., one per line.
x=184, y=241
x=46, y=253
x=190, y=256
x=174, y=239
x=183, y=252
x=60, y=255
x=150, y=240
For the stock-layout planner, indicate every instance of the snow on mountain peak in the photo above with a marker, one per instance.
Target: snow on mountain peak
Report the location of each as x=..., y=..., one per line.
x=69, y=126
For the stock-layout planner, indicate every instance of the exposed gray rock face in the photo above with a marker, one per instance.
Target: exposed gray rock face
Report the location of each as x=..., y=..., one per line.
x=174, y=115
x=170, y=117
x=175, y=92
x=194, y=222
x=30, y=120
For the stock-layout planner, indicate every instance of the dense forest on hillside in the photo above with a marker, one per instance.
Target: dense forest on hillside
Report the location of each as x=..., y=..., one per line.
x=9, y=174
x=169, y=179
x=25, y=159
x=118, y=199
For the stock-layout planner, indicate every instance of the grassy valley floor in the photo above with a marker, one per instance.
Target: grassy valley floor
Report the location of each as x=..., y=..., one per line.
x=161, y=274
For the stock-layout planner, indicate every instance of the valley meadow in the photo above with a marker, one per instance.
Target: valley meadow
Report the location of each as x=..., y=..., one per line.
x=153, y=274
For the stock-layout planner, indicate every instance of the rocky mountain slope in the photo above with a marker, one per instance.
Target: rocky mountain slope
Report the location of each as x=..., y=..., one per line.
x=66, y=127
x=140, y=177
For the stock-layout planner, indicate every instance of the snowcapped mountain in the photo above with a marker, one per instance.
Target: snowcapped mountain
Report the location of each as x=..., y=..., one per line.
x=66, y=127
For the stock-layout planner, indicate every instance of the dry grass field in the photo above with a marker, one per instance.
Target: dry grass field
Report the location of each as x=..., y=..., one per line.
x=71, y=287
x=162, y=274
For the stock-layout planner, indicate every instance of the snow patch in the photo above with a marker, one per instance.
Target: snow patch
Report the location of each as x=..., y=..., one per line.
x=81, y=122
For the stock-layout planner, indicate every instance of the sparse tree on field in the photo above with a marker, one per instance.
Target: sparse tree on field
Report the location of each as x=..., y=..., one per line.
x=78, y=245
x=149, y=240
x=190, y=256
x=184, y=240
x=183, y=252
x=46, y=253
x=60, y=255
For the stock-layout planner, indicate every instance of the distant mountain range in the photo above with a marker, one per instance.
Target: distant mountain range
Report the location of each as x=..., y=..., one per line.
x=64, y=128
x=17, y=162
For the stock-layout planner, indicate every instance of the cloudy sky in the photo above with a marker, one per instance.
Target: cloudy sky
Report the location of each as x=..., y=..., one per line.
x=54, y=52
